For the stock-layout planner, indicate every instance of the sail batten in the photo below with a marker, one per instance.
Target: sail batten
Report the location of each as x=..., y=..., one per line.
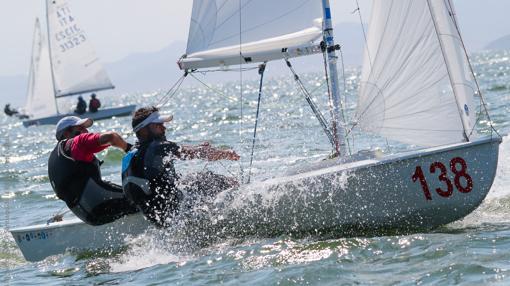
x=227, y=32
x=415, y=85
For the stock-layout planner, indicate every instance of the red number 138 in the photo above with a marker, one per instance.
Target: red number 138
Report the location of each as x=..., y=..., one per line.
x=438, y=167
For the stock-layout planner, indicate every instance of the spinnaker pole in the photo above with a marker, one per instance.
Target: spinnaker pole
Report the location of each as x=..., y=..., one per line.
x=337, y=120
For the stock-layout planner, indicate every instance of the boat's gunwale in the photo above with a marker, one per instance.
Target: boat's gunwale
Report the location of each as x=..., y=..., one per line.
x=390, y=159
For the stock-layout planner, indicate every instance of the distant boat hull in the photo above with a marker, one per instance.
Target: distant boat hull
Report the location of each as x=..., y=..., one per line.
x=373, y=195
x=100, y=114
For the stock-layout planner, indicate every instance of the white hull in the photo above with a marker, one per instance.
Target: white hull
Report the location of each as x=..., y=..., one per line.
x=100, y=114
x=40, y=241
x=365, y=196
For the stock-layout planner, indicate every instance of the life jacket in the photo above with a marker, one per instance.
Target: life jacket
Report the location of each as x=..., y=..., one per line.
x=134, y=185
x=68, y=177
x=155, y=198
x=80, y=186
x=94, y=104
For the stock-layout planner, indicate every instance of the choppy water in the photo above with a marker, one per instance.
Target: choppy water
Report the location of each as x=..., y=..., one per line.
x=473, y=251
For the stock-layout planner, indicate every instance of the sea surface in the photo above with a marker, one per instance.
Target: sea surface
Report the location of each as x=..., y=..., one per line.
x=473, y=251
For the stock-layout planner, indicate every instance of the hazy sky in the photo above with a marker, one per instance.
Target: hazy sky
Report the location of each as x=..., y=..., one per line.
x=118, y=28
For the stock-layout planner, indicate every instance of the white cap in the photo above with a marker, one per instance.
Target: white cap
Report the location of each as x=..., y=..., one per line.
x=70, y=121
x=155, y=117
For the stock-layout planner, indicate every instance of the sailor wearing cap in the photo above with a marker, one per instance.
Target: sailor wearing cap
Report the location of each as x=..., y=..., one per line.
x=149, y=178
x=75, y=174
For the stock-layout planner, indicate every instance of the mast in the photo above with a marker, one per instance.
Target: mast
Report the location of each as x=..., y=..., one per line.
x=49, y=53
x=31, y=70
x=337, y=122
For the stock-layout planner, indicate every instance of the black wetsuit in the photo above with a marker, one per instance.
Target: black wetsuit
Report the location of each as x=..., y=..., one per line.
x=9, y=111
x=80, y=186
x=149, y=179
x=81, y=107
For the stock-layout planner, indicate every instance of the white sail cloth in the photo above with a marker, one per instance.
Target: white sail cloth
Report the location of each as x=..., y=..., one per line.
x=76, y=68
x=416, y=86
x=222, y=30
x=40, y=100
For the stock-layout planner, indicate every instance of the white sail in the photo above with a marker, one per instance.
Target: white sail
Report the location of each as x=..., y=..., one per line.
x=416, y=86
x=76, y=67
x=40, y=101
x=220, y=31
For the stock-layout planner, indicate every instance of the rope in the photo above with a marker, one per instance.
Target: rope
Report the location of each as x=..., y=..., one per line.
x=226, y=96
x=315, y=110
x=358, y=9
x=471, y=69
x=262, y=68
x=241, y=141
x=345, y=98
x=165, y=98
x=58, y=216
x=217, y=91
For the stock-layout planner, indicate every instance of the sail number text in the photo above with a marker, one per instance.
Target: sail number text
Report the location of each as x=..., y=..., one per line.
x=462, y=180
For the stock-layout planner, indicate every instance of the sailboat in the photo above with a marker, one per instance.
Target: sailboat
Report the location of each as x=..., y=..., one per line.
x=417, y=87
x=63, y=64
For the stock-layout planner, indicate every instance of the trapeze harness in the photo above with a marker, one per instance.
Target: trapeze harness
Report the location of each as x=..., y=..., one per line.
x=80, y=186
x=158, y=197
x=149, y=182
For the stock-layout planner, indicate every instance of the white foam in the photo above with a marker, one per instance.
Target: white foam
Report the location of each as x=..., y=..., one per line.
x=147, y=250
x=502, y=180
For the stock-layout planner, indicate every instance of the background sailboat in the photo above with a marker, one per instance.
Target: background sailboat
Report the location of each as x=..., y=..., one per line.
x=62, y=65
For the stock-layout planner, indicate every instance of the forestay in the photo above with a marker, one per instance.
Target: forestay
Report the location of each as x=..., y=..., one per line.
x=416, y=85
x=76, y=68
x=221, y=31
x=40, y=89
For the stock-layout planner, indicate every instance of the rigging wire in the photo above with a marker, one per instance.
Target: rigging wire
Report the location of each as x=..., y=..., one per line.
x=169, y=94
x=217, y=91
x=262, y=68
x=344, y=99
x=482, y=98
x=358, y=9
x=330, y=97
x=241, y=141
x=314, y=108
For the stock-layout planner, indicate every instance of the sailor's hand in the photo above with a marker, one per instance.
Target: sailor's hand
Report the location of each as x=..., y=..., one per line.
x=129, y=146
x=217, y=154
x=206, y=151
x=56, y=218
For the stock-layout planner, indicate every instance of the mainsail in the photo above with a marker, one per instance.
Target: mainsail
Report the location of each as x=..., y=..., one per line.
x=247, y=31
x=416, y=85
x=76, y=68
x=40, y=100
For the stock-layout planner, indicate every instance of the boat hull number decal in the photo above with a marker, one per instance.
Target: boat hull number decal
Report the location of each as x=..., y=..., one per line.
x=462, y=181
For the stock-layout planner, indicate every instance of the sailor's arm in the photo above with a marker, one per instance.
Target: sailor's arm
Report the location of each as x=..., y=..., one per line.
x=207, y=152
x=114, y=139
